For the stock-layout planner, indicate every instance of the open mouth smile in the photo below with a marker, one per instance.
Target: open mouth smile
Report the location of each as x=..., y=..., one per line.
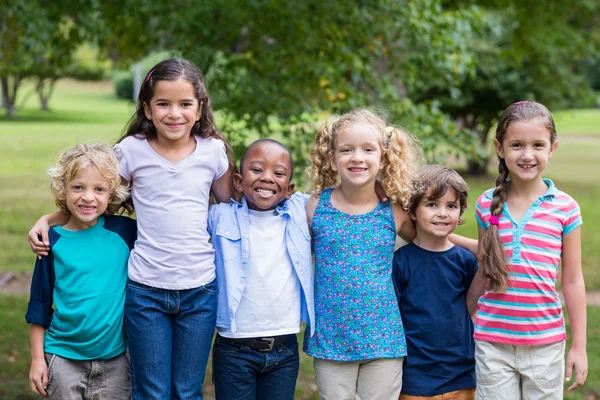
x=527, y=166
x=356, y=169
x=87, y=209
x=265, y=192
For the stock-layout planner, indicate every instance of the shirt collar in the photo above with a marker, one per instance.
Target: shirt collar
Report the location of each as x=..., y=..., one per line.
x=550, y=193
x=282, y=208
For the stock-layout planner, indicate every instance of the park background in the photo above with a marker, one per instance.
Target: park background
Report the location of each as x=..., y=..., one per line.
x=445, y=70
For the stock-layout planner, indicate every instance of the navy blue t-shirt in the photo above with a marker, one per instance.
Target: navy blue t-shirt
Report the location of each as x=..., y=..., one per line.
x=431, y=288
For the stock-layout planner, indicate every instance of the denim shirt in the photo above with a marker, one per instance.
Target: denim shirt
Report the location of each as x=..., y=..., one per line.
x=229, y=226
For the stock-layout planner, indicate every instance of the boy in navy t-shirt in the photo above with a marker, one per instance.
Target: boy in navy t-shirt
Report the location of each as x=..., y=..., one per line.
x=77, y=297
x=432, y=279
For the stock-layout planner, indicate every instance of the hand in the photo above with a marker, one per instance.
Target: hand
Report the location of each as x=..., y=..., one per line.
x=577, y=360
x=38, y=377
x=41, y=228
x=380, y=192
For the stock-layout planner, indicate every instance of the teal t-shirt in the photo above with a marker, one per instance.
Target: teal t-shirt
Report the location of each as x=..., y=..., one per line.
x=84, y=276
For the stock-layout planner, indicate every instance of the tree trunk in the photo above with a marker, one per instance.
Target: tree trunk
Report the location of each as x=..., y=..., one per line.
x=9, y=95
x=44, y=88
x=477, y=167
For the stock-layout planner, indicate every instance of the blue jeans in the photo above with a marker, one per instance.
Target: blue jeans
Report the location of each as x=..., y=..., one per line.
x=169, y=334
x=242, y=373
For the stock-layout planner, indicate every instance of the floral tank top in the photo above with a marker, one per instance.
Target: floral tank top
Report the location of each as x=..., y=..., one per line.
x=356, y=310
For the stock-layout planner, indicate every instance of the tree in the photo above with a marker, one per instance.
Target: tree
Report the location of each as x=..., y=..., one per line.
x=527, y=50
x=36, y=42
x=273, y=66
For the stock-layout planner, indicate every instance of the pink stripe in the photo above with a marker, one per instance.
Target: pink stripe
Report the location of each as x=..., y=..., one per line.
x=542, y=229
x=546, y=244
x=519, y=313
x=519, y=327
x=532, y=271
x=532, y=341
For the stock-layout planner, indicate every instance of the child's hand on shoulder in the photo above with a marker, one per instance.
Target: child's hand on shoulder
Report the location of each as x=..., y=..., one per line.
x=38, y=376
x=577, y=360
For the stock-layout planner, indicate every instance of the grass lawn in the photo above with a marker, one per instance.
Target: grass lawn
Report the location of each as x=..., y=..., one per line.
x=15, y=359
x=30, y=143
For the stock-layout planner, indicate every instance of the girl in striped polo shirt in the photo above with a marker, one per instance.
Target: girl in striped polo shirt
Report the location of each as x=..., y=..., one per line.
x=526, y=228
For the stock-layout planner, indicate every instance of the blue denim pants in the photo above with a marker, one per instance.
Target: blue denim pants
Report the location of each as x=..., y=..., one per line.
x=169, y=334
x=242, y=373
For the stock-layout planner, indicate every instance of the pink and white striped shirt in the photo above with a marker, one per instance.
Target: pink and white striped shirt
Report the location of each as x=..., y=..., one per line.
x=529, y=312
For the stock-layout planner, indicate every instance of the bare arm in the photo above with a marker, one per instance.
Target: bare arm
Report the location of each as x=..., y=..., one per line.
x=574, y=291
x=311, y=205
x=41, y=228
x=478, y=284
x=404, y=225
x=222, y=188
x=38, y=372
x=467, y=243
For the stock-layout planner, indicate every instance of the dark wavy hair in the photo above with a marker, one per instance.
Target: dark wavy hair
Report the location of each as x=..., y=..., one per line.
x=173, y=69
x=432, y=182
x=491, y=257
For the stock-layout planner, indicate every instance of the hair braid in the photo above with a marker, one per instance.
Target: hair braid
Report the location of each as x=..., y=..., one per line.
x=491, y=260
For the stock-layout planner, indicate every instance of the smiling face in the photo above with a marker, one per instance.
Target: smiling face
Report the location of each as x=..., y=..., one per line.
x=357, y=154
x=437, y=218
x=87, y=197
x=174, y=109
x=265, y=176
x=526, y=149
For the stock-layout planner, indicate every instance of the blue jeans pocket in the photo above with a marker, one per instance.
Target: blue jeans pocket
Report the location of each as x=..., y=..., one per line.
x=139, y=286
x=228, y=346
x=210, y=288
x=292, y=349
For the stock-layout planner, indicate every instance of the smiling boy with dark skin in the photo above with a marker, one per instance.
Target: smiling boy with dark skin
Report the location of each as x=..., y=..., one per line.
x=265, y=279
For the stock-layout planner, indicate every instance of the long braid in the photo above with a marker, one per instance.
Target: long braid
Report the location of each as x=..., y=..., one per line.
x=491, y=260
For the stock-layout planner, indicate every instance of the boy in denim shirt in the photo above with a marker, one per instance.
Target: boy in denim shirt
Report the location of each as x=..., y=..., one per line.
x=265, y=278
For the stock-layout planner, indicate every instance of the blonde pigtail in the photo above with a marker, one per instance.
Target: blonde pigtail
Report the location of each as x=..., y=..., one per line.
x=401, y=161
x=320, y=171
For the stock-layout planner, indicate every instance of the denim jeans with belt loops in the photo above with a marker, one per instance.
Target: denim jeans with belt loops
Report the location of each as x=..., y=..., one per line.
x=169, y=333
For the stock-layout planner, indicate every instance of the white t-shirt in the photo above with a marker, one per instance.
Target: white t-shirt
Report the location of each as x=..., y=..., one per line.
x=172, y=250
x=271, y=301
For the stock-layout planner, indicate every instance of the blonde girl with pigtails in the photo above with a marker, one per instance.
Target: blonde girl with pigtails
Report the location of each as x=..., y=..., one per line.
x=527, y=227
x=358, y=345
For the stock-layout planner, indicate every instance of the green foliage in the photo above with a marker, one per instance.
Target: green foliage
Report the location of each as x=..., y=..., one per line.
x=123, y=81
x=88, y=64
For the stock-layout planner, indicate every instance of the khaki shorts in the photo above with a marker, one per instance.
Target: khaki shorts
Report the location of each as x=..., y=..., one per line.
x=379, y=379
x=507, y=372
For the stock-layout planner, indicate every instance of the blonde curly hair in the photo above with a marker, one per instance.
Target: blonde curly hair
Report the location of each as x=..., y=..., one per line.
x=99, y=155
x=400, y=154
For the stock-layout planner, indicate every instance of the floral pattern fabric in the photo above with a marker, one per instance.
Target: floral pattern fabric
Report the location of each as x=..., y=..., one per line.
x=356, y=310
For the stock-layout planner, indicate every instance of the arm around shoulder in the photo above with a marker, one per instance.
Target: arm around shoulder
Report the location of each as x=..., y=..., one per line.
x=404, y=224
x=311, y=206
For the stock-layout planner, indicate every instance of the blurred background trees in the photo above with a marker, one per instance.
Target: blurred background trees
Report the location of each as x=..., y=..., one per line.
x=445, y=70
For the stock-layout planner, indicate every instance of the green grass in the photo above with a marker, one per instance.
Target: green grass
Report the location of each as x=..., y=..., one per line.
x=15, y=358
x=577, y=122
x=30, y=143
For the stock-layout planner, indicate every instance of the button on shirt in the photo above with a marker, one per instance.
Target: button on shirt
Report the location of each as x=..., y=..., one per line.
x=529, y=312
x=229, y=227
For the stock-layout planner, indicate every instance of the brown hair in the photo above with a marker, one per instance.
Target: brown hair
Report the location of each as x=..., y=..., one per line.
x=400, y=155
x=433, y=181
x=173, y=69
x=491, y=257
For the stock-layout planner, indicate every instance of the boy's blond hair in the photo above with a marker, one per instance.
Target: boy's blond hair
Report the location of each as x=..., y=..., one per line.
x=102, y=158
